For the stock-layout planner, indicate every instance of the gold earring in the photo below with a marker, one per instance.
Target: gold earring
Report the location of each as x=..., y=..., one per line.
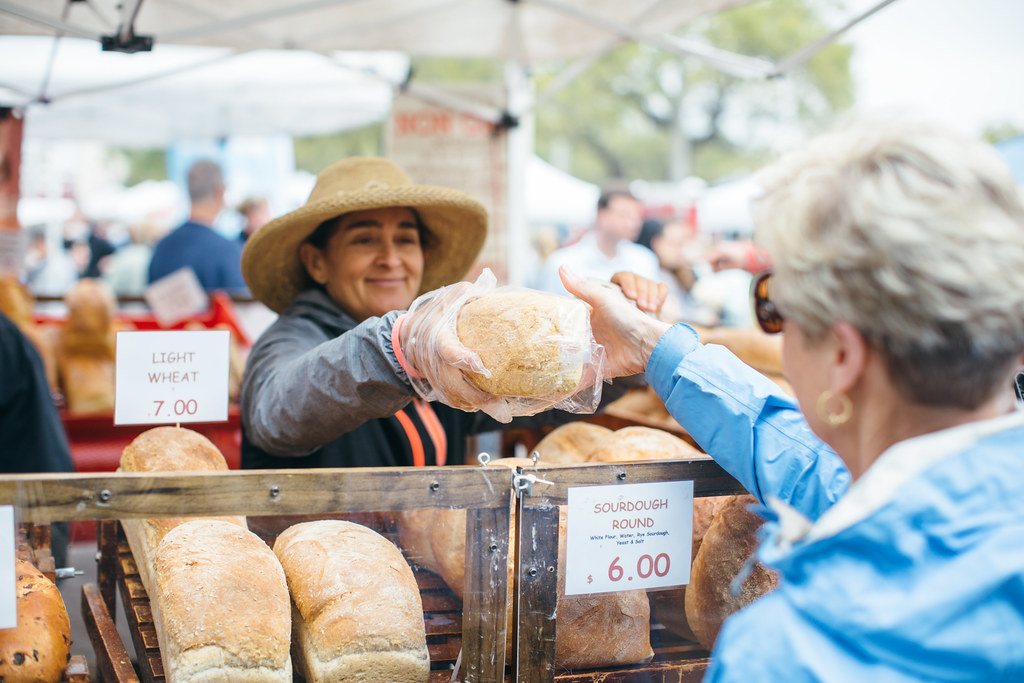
x=834, y=419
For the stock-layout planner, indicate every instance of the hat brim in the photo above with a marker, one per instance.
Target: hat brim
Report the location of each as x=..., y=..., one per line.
x=275, y=274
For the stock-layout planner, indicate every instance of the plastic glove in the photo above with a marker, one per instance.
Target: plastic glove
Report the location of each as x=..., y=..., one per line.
x=435, y=358
x=437, y=361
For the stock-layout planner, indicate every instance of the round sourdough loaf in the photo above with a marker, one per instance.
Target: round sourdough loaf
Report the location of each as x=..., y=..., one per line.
x=631, y=444
x=571, y=443
x=37, y=650
x=534, y=344
x=729, y=542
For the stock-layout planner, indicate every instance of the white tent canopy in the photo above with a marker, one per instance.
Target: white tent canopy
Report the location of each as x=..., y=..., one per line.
x=175, y=93
x=523, y=31
x=555, y=197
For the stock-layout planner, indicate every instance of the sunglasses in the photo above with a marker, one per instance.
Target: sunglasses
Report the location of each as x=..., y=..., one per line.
x=765, y=310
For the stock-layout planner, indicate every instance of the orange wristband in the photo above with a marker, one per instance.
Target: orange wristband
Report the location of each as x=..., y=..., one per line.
x=397, y=346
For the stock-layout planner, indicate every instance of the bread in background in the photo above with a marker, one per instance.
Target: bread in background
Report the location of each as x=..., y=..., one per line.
x=165, y=449
x=761, y=351
x=220, y=606
x=633, y=444
x=570, y=443
x=85, y=353
x=357, y=613
x=38, y=648
x=729, y=542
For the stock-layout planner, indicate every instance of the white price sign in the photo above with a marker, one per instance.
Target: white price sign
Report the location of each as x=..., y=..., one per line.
x=628, y=537
x=8, y=587
x=171, y=377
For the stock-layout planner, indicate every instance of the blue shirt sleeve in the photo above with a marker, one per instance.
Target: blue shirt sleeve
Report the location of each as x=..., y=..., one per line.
x=745, y=422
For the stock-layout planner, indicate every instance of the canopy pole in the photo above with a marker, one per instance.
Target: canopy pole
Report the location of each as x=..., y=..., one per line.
x=802, y=55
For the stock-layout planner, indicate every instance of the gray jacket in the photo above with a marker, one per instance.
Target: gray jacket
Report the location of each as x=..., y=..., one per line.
x=321, y=390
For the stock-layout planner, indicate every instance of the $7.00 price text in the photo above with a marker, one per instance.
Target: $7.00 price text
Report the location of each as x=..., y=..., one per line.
x=175, y=408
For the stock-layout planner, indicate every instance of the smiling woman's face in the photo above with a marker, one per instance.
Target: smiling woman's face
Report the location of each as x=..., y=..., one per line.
x=372, y=263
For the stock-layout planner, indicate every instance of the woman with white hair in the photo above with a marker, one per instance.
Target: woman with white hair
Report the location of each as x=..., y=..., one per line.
x=894, y=484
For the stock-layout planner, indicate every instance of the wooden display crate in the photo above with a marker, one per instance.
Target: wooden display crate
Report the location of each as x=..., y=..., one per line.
x=442, y=614
x=474, y=636
x=676, y=660
x=476, y=627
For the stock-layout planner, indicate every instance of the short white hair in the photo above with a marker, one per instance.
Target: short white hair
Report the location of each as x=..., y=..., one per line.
x=913, y=235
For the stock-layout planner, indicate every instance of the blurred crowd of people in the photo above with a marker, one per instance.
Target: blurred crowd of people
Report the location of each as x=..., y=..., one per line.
x=708, y=280
x=130, y=257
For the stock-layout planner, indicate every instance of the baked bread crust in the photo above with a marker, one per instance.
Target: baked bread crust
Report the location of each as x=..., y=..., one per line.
x=729, y=542
x=534, y=344
x=357, y=612
x=38, y=648
x=165, y=449
x=571, y=443
x=220, y=605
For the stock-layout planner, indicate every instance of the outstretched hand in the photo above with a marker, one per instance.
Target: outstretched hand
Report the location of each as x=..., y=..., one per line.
x=432, y=346
x=627, y=333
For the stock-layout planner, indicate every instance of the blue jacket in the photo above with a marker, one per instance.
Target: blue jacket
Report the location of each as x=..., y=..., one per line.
x=913, y=573
x=216, y=260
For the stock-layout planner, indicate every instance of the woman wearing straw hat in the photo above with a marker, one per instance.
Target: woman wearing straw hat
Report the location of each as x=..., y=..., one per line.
x=894, y=484
x=323, y=386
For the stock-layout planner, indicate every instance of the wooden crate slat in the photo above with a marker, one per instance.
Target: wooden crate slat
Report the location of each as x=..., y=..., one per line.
x=126, y=495
x=111, y=657
x=438, y=625
x=655, y=672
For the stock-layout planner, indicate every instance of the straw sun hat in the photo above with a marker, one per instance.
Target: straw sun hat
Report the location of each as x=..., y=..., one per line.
x=458, y=223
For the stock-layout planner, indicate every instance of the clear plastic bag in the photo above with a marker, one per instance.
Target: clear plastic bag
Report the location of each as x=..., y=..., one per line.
x=508, y=351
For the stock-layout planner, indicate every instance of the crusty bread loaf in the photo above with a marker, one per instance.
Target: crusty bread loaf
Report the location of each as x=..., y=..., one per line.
x=85, y=355
x=632, y=444
x=571, y=443
x=643, y=402
x=729, y=541
x=88, y=382
x=436, y=539
x=38, y=648
x=90, y=323
x=414, y=528
x=165, y=449
x=668, y=607
x=534, y=344
x=604, y=629
x=220, y=606
x=357, y=613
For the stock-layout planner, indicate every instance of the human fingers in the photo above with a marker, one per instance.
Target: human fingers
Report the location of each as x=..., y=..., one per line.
x=647, y=294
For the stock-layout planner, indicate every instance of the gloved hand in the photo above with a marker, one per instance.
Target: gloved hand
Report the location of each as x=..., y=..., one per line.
x=433, y=356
